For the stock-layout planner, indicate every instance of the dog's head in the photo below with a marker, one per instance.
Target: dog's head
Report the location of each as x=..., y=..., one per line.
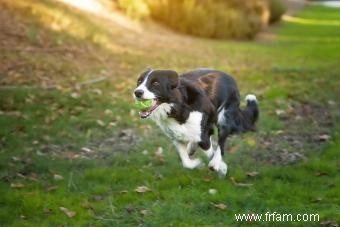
x=156, y=85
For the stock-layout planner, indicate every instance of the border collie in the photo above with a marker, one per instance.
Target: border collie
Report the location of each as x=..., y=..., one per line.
x=187, y=107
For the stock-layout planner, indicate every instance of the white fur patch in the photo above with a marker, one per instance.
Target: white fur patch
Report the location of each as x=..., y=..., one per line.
x=220, y=117
x=147, y=93
x=217, y=163
x=251, y=97
x=190, y=131
x=161, y=112
x=210, y=152
x=184, y=155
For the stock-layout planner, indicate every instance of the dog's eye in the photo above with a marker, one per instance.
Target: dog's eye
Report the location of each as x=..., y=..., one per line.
x=139, y=82
x=155, y=83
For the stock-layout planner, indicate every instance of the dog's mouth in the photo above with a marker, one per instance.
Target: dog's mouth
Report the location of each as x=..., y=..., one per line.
x=146, y=113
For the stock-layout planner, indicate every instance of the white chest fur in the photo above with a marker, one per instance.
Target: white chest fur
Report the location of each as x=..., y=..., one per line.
x=188, y=131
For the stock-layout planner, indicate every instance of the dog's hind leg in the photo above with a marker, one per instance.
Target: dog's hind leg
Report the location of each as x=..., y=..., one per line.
x=217, y=164
x=184, y=155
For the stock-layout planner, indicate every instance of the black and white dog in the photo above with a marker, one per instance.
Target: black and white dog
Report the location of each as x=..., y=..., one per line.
x=187, y=108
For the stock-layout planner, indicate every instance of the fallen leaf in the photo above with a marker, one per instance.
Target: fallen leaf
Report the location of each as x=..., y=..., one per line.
x=86, y=205
x=233, y=149
x=207, y=178
x=220, y=206
x=142, y=189
x=252, y=174
x=100, y=122
x=212, y=191
x=317, y=199
x=69, y=213
x=323, y=137
x=108, y=112
x=11, y=113
x=87, y=150
x=52, y=188
x=97, y=91
x=16, y=159
x=58, y=177
x=21, y=175
x=39, y=153
x=130, y=209
x=75, y=95
x=33, y=177
x=251, y=141
x=98, y=198
x=159, y=155
x=329, y=223
x=17, y=185
x=145, y=212
x=321, y=173
x=331, y=102
x=47, y=211
x=280, y=112
x=133, y=112
x=240, y=184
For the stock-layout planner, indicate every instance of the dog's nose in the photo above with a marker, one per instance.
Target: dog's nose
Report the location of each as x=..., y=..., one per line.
x=139, y=93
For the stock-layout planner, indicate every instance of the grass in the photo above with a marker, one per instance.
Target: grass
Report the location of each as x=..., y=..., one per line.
x=43, y=132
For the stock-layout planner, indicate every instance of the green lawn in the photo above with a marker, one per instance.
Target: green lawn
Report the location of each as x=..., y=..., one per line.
x=87, y=151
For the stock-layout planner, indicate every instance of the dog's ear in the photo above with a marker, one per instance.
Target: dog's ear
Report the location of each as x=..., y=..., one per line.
x=173, y=79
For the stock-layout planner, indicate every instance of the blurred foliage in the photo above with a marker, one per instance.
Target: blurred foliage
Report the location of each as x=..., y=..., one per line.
x=136, y=9
x=213, y=18
x=276, y=8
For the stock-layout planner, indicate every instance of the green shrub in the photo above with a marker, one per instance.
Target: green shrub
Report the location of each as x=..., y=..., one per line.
x=276, y=8
x=210, y=18
x=221, y=19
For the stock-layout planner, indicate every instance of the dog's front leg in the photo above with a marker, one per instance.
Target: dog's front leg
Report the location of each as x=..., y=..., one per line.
x=183, y=152
x=191, y=148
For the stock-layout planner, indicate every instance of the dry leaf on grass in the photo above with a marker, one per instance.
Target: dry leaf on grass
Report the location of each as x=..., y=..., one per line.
x=212, y=191
x=17, y=185
x=145, y=212
x=52, y=188
x=323, y=137
x=100, y=123
x=252, y=174
x=321, y=173
x=69, y=213
x=142, y=189
x=159, y=156
x=240, y=184
x=316, y=200
x=329, y=223
x=58, y=177
x=220, y=206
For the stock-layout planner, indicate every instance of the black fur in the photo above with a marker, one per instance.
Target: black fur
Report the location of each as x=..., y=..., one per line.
x=209, y=92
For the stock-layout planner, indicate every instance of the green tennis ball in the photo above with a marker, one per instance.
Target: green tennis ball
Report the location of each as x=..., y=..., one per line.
x=144, y=104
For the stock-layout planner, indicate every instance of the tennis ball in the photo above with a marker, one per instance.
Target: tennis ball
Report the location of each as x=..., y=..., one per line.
x=144, y=104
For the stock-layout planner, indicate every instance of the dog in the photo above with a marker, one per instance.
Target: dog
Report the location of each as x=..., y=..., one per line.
x=189, y=106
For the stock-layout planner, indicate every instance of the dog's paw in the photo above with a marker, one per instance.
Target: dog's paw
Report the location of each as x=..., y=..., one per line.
x=223, y=169
x=219, y=166
x=192, y=164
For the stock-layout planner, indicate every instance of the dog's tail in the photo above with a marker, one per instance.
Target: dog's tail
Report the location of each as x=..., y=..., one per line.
x=251, y=113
